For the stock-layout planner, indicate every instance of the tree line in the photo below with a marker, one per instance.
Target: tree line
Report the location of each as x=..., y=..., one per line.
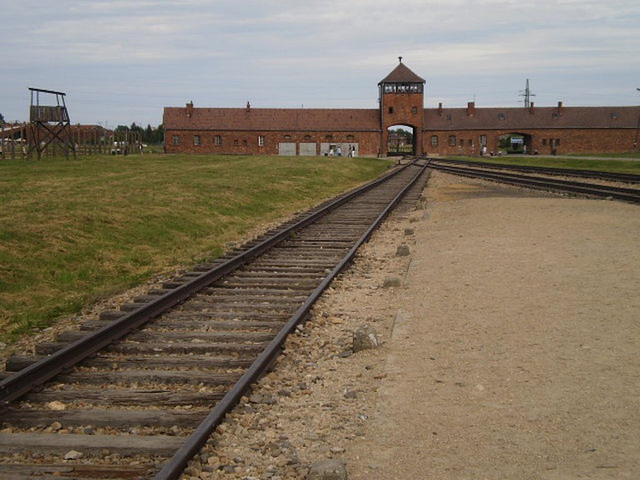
x=150, y=135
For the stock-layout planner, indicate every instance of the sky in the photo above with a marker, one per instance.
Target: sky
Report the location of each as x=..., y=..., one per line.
x=123, y=61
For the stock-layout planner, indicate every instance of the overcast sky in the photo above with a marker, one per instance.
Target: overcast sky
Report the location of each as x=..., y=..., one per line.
x=122, y=61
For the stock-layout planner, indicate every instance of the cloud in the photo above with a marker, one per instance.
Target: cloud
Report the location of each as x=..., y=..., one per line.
x=322, y=53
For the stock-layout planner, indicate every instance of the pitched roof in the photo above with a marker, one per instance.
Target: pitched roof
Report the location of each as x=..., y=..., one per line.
x=522, y=118
x=272, y=119
x=402, y=74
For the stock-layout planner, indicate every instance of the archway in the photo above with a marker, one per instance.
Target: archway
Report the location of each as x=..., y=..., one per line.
x=401, y=140
x=515, y=143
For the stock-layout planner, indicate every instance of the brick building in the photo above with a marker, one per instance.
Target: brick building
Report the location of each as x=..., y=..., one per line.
x=443, y=131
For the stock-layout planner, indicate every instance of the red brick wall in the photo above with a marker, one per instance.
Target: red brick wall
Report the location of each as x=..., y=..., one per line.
x=246, y=142
x=570, y=141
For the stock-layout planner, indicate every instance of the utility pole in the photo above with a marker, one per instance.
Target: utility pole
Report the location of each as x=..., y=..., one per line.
x=526, y=93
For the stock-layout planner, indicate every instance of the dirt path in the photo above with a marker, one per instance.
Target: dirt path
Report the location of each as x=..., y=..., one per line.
x=515, y=348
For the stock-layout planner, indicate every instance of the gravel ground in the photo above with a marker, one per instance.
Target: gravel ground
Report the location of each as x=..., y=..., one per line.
x=508, y=342
x=509, y=350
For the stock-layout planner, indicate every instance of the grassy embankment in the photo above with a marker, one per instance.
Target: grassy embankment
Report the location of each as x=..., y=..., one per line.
x=72, y=232
x=619, y=163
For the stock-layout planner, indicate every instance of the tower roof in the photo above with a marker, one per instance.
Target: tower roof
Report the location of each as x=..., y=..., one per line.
x=402, y=74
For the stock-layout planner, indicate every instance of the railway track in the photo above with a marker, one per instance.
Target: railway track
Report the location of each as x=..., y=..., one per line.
x=546, y=179
x=137, y=393
x=568, y=172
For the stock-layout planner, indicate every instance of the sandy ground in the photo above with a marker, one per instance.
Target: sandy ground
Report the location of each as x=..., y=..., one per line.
x=514, y=353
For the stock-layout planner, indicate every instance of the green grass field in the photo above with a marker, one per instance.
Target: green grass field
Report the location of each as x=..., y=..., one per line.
x=75, y=231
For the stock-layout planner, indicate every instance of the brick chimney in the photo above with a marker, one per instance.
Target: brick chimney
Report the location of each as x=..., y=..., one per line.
x=248, y=107
x=531, y=111
x=471, y=109
x=560, y=108
x=440, y=110
x=190, y=109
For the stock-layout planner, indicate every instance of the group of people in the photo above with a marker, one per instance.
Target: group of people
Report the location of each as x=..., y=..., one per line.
x=338, y=151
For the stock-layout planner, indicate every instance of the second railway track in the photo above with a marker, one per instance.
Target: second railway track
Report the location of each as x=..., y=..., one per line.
x=131, y=395
x=547, y=179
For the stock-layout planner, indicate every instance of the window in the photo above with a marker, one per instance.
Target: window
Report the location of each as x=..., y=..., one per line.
x=434, y=140
x=501, y=116
x=217, y=140
x=461, y=143
x=235, y=142
x=390, y=109
x=614, y=115
x=544, y=142
x=196, y=140
x=350, y=138
x=287, y=137
x=244, y=142
x=449, y=118
x=329, y=138
x=483, y=140
x=307, y=137
x=470, y=143
x=555, y=115
x=452, y=140
x=176, y=139
x=414, y=110
x=261, y=140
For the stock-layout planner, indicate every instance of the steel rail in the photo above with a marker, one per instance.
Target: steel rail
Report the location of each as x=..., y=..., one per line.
x=36, y=374
x=175, y=467
x=603, y=191
x=613, y=176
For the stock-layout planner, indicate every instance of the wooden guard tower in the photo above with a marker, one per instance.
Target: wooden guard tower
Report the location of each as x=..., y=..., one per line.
x=49, y=123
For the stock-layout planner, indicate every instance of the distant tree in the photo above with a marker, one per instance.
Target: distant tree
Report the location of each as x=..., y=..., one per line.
x=1, y=119
x=121, y=128
x=158, y=134
x=148, y=134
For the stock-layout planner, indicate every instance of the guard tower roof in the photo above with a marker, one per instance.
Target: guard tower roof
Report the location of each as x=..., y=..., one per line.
x=402, y=74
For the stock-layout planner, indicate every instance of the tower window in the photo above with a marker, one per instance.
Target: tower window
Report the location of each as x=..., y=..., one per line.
x=390, y=109
x=414, y=110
